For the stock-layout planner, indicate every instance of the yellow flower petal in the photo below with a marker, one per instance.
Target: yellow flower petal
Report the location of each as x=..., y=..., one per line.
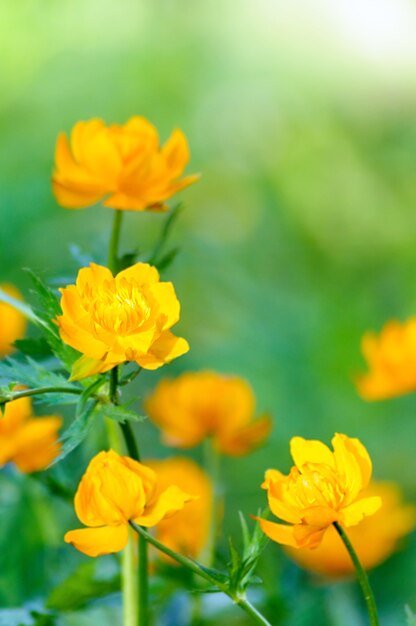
x=245, y=439
x=98, y=541
x=169, y=502
x=354, y=513
x=164, y=350
x=309, y=451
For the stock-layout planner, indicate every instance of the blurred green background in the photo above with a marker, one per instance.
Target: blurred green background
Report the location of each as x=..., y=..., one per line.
x=300, y=235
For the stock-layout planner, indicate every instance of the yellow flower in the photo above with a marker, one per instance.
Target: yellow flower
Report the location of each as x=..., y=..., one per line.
x=113, y=491
x=391, y=358
x=323, y=487
x=126, y=318
x=206, y=404
x=12, y=322
x=124, y=165
x=188, y=531
x=30, y=443
x=374, y=539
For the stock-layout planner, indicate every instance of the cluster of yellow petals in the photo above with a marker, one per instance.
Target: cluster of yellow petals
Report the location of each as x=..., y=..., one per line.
x=391, y=359
x=124, y=166
x=374, y=539
x=111, y=320
x=204, y=404
x=188, y=531
x=12, y=322
x=323, y=487
x=113, y=491
x=31, y=443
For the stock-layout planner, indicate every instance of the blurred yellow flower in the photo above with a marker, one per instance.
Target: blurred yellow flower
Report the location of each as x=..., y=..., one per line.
x=31, y=443
x=374, y=539
x=12, y=322
x=124, y=165
x=391, y=359
x=114, y=490
x=188, y=531
x=323, y=487
x=197, y=405
x=126, y=318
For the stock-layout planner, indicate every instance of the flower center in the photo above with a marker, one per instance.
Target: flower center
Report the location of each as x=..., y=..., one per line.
x=120, y=309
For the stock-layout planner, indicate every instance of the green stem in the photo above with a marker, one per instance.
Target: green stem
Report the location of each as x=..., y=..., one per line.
x=129, y=578
x=129, y=573
x=361, y=575
x=212, y=462
x=114, y=241
x=27, y=393
x=203, y=572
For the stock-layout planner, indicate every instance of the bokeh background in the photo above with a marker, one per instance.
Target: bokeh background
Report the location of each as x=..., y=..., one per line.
x=300, y=235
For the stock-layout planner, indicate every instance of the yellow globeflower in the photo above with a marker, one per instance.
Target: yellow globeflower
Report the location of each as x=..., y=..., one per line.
x=116, y=319
x=391, y=359
x=12, y=322
x=188, y=531
x=31, y=443
x=123, y=165
x=197, y=405
x=374, y=539
x=323, y=487
x=113, y=491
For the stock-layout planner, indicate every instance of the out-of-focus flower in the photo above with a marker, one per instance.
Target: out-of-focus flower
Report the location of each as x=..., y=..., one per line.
x=113, y=491
x=206, y=404
x=391, y=358
x=374, y=539
x=124, y=165
x=323, y=487
x=31, y=443
x=12, y=322
x=188, y=531
x=126, y=318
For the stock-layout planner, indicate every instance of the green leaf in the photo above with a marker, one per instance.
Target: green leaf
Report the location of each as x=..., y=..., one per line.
x=82, y=586
x=167, y=259
x=47, y=311
x=118, y=413
x=81, y=425
x=35, y=348
x=31, y=374
x=155, y=255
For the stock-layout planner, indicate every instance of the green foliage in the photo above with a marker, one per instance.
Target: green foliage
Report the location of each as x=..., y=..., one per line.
x=86, y=583
x=47, y=311
x=119, y=413
x=79, y=428
x=242, y=566
x=33, y=375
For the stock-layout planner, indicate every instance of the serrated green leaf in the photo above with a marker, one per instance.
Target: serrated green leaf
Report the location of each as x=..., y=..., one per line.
x=30, y=373
x=82, y=586
x=119, y=413
x=81, y=425
x=47, y=311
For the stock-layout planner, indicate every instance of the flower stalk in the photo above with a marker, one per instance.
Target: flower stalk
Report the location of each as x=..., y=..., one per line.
x=194, y=566
x=361, y=576
x=137, y=610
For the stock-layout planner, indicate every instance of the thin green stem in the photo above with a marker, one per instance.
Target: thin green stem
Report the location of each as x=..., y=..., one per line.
x=27, y=393
x=212, y=462
x=130, y=574
x=361, y=575
x=114, y=241
x=129, y=577
x=205, y=573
